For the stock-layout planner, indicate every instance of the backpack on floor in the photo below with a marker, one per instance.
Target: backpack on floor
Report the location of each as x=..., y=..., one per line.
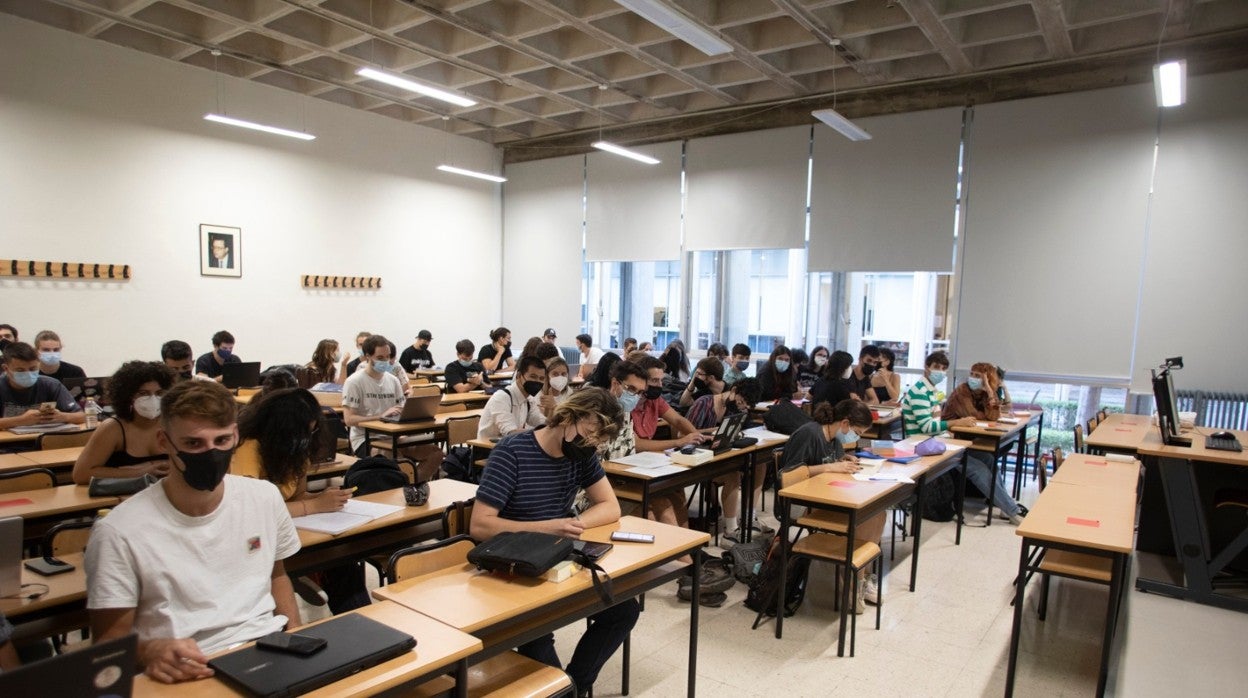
x=939, y=502
x=746, y=559
x=765, y=588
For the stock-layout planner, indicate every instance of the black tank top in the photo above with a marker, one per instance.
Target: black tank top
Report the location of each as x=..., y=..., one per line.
x=122, y=458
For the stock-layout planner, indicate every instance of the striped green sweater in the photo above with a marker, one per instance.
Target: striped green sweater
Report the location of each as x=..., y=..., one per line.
x=917, y=409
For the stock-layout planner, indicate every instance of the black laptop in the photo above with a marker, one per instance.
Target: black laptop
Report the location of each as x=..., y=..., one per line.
x=245, y=374
x=354, y=643
x=82, y=388
x=728, y=431
x=103, y=670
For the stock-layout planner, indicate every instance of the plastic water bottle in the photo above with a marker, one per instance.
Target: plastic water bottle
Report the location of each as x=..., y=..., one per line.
x=93, y=410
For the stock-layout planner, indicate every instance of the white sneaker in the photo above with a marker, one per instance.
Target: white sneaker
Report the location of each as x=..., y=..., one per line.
x=871, y=589
x=860, y=607
x=1015, y=519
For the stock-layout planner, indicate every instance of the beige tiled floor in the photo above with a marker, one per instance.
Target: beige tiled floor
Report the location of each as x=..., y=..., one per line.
x=948, y=638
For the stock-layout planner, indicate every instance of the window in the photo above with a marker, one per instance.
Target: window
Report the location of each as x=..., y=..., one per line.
x=907, y=313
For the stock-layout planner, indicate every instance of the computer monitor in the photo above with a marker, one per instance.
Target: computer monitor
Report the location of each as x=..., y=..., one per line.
x=1167, y=408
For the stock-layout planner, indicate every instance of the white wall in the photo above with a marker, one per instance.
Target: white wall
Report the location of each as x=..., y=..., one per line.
x=105, y=157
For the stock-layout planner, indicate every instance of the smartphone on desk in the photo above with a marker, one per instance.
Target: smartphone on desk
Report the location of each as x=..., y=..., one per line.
x=48, y=566
x=590, y=549
x=628, y=537
x=292, y=643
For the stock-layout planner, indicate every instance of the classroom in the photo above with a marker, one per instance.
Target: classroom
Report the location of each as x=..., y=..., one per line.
x=1030, y=208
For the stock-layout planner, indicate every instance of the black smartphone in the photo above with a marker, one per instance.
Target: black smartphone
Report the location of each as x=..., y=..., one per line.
x=632, y=537
x=590, y=549
x=48, y=566
x=292, y=643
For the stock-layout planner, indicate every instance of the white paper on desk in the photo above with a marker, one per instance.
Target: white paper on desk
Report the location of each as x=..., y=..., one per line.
x=657, y=471
x=645, y=459
x=763, y=434
x=953, y=447
x=981, y=425
x=355, y=513
x=882, y=477
x=908, y=444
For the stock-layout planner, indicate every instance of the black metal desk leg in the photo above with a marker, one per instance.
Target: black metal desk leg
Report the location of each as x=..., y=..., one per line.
x=693, y=621
x=461, y=678
x=846, y=586
x=782, y=506
x=920, y=493
x=746, y=504
x=961, y=500
x=992, y=486
x=1016, y=631
x=1111, y=622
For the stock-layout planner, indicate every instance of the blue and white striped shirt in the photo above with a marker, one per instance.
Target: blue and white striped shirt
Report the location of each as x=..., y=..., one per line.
x=526, y=484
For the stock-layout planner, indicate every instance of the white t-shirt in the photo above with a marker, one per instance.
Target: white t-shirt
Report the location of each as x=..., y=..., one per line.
x=592, y=357
x=370, y=398
x=202, y=577
x=508, y=411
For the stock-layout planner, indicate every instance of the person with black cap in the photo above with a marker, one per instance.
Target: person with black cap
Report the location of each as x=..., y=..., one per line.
x=418, y=355
x=549, y=335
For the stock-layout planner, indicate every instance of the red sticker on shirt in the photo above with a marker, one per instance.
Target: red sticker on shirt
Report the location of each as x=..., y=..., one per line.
x=16, y=502
x=253, y=544
x=1094, y=523
x=842, y=483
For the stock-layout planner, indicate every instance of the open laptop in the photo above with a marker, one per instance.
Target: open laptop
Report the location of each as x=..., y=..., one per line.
x=82, y=388
x=245, y=374
x=10, y=555
x=103, y=670
x=354, y=642
x=418, y=408
x=727, y=432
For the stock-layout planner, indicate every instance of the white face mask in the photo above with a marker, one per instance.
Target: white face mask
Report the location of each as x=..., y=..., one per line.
x=337, y=356
x=848, y=372
x=559, y=382
x=147, y=406
x=821, y=360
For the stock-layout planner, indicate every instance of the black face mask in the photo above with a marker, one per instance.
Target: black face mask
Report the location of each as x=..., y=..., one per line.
x=205, y=470
x=185, y=375
x=699, y=385
x=532, y=387
x=731, y=407
x=654, y=392
x=868, y=369
x=576, y=451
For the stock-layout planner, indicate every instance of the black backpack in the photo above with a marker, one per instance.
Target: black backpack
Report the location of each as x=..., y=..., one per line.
x=785, y=418
x=374, y=474
x=765, y=587
x=940, y=499
x=457, y=464
x=746, y=559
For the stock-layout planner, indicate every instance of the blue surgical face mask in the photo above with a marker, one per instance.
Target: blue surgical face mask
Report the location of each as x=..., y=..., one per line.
x=936, y=377
x=225, y=353
x=50, y=358
x=465, y=362
x=382, y=366
x=847, y=438
x=742, y=365
x=628, y=401
x=26, y=379
x=974, y=383
x=782, y=365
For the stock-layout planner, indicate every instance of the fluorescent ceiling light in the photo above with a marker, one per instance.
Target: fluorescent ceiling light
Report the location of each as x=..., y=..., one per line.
x=676, y=24
x=1170, y=79
x=414, y=86
x=613, y=148
x=846, y=127
x=470, y=173
x=259, y=127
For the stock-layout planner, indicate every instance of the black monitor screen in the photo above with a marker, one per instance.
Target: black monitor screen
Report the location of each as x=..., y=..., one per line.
x=1167, y=405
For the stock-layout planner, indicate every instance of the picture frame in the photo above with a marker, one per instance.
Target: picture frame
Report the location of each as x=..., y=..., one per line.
x=220, y=251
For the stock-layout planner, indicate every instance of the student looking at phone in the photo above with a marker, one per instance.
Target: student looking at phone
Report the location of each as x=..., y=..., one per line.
x=28, y=398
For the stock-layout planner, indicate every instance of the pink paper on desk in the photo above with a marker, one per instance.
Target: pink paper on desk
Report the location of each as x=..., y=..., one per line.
x=843, y=483
x=1083, y=522
x=16, y=502
x=1096, y=462
x=1120, y=429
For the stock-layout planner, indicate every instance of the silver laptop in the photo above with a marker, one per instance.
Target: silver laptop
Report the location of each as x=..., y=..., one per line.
x=10, y=556
x=417, y=409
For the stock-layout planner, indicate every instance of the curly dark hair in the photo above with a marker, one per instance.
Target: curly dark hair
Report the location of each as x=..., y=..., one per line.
x=129, y=378
x=283, y=422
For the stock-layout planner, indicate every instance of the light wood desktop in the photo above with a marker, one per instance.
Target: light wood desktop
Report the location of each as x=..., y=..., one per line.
x=438, y=648
x=9, y=439
x=395, y=431
x=1097, y=471
x=64, y=589
x=16, y=461
x=332, y=400
x=1121, y=433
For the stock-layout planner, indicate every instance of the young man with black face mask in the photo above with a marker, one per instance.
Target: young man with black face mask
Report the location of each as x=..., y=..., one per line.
x=418, y=355
x=860, y=378
x=193, y=564
x=516, y=408
x=178, y=356
x=529, y=484
x=208, y=366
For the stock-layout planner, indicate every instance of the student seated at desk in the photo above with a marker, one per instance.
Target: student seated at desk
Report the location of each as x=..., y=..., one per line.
x=809, y=371
x=629, y=346
x=8, y=333
x=208, y=366
x=397, y=369
x=371, y=392
x=740, y=363
x=590, y=355
x=23, y=392
x=324, y=366
x=354, y=364
x=884, y=381
x=821, y=446
x=530, y=349
x=418, y=355
x=464, y=374
x=529, y=484
x=708, y=380
x=127, y=445
x=600, y=377
x=515, y=408
x=832, y=386
x=672, y=508
x=177, y=355
x=859, y=379
x=977, y=398
x=496, y=356
x=48, y=344
x=707, y=413
x=546, y=352
x=778, y=378
x=675, y=361
x=920, y=409
x=555, y=388
x=193, y=564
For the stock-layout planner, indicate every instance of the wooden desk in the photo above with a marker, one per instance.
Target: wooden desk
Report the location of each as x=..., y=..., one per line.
x=430, y=374
x=9, y=439
x=997, y=438
x=1182, y=471
x=473, y=399
x=339, y=466
x=383, y=535
x=438, y=647
x=47, y=507
x=16, y=461
x=509, y=611
x=883, y=426
x=396, y=431
x=1096, y=471
x=61, y=609
x=1120, y=433
x=1089, y=520
x=332, y=400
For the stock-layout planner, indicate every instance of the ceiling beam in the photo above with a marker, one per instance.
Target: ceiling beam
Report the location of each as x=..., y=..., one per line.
x=934, y=29
x=820, y=30
x=1053, y=26
x=1208, y=54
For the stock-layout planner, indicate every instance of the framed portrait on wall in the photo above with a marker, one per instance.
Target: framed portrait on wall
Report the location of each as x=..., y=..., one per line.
x=220, y=251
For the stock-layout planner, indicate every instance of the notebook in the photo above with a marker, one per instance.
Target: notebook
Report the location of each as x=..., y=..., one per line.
x=105, y=669
x=354, y=643
x=245, y=374
x=417, y=409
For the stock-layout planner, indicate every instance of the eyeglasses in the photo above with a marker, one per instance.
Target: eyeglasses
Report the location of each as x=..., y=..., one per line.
x=631, y=390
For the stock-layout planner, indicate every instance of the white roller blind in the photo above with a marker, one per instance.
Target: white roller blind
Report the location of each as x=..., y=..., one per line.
x=886, y=204
x=747, y=190
x=542, y=217
x=1058, y=195
x=1195, y=281
x=633, y=208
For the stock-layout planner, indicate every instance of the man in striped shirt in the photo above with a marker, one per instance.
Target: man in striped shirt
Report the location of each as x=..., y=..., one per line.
x=918, y=407
x=529, y=484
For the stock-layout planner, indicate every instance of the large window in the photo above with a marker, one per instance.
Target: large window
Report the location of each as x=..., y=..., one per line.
x=906, y=312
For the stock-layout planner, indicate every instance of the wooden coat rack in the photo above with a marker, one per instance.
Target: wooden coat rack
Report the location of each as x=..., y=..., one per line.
x=359, y=283
x=26, y=268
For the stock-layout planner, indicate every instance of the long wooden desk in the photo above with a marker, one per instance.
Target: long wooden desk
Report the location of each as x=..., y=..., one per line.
x=42, y=509
x=16, y=461
x=473, y=399
x=438, y=648
x=332, y=400
x=1090, y=511
x=508, y=611
x=859, y=501
x=9, y=439
x=1120, y=433
x=397, y=430
x=60, y=609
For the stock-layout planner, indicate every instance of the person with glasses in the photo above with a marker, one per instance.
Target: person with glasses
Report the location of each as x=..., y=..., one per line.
x=530, y=483
x=708, y=379
x=126, y=444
